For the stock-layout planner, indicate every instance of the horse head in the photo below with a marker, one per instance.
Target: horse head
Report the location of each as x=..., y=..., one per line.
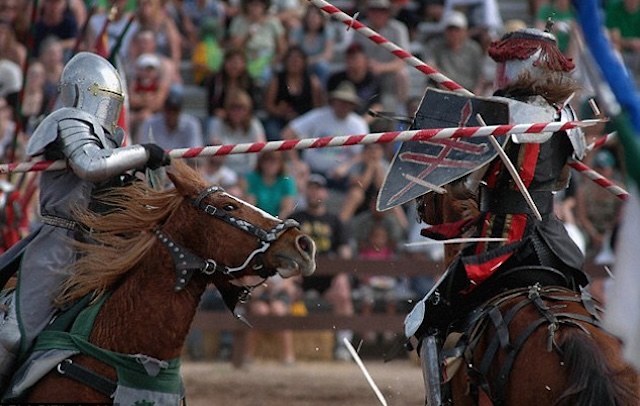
x=233, y=239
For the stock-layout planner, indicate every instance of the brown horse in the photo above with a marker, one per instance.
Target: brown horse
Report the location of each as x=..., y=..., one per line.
x=535, y=345
x=152, y=259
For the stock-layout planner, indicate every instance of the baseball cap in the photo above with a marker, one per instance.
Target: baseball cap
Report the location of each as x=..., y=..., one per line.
x=174, y=98
x=148, y=61
x=379, y=4
x=456, y=19
x=354, y=48
x=317, y=179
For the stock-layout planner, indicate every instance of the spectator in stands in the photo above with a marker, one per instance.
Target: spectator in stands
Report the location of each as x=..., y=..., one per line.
x=148, y=89
x=35, y=102
x=458, y=56
x=233, y=77
x=357, y=72
x=315, y=36
x=151, y=15
x=52, y=57
x=598, y=210
x=55, y=20
x=261, y=36
x=171, y=127
x=10, y=48
x=379, y=288
x=270, y=188
x=144, y=42
x=187, y=30
x=288, y=12
x=208, y=54
x=338, y=118
x=200, y=11
x=332, y=240
x=559, y=12
x=365, y=180
x=275, y=298
x=623, y=23
x=216, y=172
x=237, y=125
x=112, y=21
x=390, y=70
x=290, y=93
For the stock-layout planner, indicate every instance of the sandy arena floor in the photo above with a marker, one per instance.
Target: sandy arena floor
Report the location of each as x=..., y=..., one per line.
x=269, y=383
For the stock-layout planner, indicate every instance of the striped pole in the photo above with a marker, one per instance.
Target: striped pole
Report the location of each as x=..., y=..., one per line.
x=345, y=140
x=599, y=179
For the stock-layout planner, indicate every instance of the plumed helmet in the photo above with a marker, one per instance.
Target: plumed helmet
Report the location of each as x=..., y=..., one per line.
x=90, y=83
x=527, y=50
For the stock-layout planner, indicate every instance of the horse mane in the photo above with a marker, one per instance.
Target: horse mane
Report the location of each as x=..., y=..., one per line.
x=120, y=239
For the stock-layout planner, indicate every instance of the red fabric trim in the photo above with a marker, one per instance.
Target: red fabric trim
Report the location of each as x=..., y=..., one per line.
x=446, y=231
x=529, y=162
x=478, y=273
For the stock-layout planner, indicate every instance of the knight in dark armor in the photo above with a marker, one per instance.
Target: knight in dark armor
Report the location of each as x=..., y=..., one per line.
x=83, y=131
x=524, y=248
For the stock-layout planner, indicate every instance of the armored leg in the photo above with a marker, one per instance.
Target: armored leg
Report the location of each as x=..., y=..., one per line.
x=430, y=362
x=9, y=337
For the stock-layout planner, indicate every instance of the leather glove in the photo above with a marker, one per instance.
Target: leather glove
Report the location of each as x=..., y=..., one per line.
x=157, y=156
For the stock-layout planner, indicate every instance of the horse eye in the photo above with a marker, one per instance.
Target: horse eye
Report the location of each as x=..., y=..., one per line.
x=230, y=207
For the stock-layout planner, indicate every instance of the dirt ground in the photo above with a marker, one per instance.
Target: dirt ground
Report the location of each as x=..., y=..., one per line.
x=309, y=383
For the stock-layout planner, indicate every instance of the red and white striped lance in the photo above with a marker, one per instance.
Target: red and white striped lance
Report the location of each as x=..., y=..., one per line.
x=599, y=179
x=410, y=59
x=345, y=140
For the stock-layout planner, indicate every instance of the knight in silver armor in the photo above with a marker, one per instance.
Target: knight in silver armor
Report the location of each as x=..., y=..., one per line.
x=84, y=132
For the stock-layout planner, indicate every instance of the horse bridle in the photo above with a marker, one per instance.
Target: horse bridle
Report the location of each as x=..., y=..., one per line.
x=187, y=263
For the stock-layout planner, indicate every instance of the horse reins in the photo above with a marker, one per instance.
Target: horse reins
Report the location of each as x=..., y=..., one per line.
x=186, y=262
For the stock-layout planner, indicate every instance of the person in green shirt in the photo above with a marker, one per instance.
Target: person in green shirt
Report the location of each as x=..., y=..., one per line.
x=622, y=19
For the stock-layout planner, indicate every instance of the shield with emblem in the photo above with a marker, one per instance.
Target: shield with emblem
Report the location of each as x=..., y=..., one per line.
x=440, y=162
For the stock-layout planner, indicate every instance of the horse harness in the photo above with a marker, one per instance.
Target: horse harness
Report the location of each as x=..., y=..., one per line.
x=491, y=314
x=186, y=262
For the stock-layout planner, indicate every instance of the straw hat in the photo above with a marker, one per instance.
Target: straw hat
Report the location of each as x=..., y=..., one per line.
x=346, y=91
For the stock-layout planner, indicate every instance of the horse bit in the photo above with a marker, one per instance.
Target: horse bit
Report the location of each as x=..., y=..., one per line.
x=186, y=262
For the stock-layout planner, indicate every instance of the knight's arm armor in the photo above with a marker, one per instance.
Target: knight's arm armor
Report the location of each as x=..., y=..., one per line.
x=74, y=135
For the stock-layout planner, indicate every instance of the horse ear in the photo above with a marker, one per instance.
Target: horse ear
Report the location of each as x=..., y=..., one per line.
x=183, y=178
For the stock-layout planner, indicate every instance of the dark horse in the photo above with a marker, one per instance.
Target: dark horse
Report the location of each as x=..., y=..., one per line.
x=152, y=259
x=533, y=344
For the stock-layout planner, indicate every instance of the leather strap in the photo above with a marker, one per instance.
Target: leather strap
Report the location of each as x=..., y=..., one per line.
x=87, y=377
x=58, y=222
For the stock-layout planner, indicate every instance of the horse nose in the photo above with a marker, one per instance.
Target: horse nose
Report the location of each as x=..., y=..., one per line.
x=306, y=245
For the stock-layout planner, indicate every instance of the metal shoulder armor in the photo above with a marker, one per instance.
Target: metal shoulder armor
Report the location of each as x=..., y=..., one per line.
x=576, y=135
x=49, y=129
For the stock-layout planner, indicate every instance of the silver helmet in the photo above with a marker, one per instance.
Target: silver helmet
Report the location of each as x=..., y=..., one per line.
x=90, y=83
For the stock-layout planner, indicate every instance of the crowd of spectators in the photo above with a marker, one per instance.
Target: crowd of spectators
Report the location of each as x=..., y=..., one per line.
x=282, y=69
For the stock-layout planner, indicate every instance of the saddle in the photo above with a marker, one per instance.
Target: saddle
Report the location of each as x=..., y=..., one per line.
x=139, y=377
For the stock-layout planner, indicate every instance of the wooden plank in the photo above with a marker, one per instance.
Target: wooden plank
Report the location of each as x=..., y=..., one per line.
x=210, y=320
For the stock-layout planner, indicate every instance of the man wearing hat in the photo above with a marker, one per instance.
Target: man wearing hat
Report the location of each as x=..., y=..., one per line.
x=357, y=72
x=336, y=119
x=457, y=56
x=391, y=71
